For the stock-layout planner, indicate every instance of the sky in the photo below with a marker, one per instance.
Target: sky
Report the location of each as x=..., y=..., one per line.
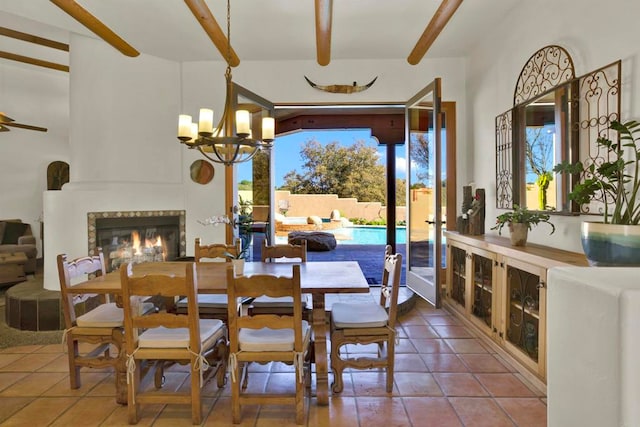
x=287, y=151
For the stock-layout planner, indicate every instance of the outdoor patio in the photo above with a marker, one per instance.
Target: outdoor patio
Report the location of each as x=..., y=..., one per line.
x=370, y=257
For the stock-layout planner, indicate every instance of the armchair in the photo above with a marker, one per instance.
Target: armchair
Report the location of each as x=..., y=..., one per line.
x=16, y=236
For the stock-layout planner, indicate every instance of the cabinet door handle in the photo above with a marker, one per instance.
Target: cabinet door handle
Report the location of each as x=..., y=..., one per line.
x=541, y=284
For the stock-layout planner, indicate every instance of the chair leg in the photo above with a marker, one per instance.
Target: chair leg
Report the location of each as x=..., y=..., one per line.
x=300, y=387
x=235, y=394
x=132, y=390
x=245, y=376
x=391, y=350
x=196, y=401
x=223, y=354
x=74, y=370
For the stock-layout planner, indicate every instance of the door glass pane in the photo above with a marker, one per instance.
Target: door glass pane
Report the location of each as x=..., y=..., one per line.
x=424, y=182
x=422, y=194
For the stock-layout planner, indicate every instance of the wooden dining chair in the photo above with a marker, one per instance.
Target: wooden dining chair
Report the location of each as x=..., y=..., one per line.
x=374, y=323
x=164, y=338
x=266, y=337
x=100, y=329
x=211, y=306
x=282, y=253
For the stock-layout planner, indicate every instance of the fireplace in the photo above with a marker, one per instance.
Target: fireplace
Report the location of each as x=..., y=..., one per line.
x=137, y=236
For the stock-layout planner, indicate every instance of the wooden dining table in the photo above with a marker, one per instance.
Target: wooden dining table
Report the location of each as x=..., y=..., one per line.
x=317, y=278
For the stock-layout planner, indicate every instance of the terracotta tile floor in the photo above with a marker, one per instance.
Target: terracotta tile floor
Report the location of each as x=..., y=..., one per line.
x=445, y=376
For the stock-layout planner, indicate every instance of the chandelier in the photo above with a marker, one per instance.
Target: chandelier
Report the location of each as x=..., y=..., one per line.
x=219, y=144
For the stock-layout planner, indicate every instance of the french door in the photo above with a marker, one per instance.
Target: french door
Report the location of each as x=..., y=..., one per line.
x=258, y=200
x=425, y=160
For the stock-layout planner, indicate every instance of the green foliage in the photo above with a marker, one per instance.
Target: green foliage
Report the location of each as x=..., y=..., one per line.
x=245, y=185
x=362, y=221
x=401, y=192
x=611, y=179
x=520, y=214
x=348, y=171
x=245, y=217
x=241, y=254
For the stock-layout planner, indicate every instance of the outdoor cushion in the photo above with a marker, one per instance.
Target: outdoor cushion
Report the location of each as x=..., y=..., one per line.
x=347, y=315
x=103, y=316
x=162, y=337
x=316, y=240
x=267, y=339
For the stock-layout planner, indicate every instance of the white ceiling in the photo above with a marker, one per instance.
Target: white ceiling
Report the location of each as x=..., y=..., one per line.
x=276, y=29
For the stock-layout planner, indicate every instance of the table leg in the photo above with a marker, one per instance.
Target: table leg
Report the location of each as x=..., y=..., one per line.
x=320, y=337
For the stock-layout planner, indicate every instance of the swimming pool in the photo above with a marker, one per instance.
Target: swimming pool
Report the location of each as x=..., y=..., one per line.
x=361, y=235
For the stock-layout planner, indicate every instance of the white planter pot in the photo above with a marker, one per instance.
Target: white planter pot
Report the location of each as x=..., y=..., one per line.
x=238, y=266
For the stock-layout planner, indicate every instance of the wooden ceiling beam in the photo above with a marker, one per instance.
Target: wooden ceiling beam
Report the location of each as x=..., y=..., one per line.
x=210, y=26
x=96, y=26
x=34, y=61
x=33, y=39
x=324, y=14
x=445, y=11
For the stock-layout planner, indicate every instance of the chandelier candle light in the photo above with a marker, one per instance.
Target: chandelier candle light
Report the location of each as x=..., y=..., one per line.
x=226, y=147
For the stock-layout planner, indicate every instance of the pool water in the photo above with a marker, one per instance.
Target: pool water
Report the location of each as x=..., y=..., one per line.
x=362, y=235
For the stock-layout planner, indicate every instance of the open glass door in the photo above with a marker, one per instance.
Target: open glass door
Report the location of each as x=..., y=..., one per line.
x=424, y=192
x=253, y=181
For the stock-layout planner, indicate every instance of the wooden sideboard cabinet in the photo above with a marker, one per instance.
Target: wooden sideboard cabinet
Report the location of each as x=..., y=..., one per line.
x=501, y=290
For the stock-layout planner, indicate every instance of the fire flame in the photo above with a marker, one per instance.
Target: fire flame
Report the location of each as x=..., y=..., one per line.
x=138, y=248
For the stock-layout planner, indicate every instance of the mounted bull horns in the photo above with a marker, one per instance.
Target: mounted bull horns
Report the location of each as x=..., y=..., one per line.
x=342, y=88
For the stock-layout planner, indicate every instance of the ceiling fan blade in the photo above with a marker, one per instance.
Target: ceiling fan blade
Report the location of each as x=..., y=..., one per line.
x=4, y=118
x=23, y=126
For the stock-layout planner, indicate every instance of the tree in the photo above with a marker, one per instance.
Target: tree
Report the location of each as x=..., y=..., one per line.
x=420, y=155
x=539, y=160
x=245, y=185
x=348, y=171
x=401, y=192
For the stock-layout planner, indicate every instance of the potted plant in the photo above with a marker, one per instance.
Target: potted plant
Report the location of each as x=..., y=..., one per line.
x=520, y=220
x=616, y=183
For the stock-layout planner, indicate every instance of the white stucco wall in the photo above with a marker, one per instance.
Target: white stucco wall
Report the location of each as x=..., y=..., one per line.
x=594, y=33
x=39, y=97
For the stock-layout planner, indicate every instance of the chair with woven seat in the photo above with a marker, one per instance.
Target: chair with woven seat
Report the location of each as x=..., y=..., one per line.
x=101, y=327
x=265, y=338
x=164, y=338
x=212, y=306
x=374, y=323
x=282, y=253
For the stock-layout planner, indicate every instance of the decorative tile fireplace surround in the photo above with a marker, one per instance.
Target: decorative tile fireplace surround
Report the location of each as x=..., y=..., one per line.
x=137, y=236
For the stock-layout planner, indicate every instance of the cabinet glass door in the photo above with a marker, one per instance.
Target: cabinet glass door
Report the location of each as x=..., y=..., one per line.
x=458, y=265
x=482, y=289
x=523, y=310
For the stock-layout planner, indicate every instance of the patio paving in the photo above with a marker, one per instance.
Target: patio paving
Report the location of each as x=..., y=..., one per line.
x=370, y=257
